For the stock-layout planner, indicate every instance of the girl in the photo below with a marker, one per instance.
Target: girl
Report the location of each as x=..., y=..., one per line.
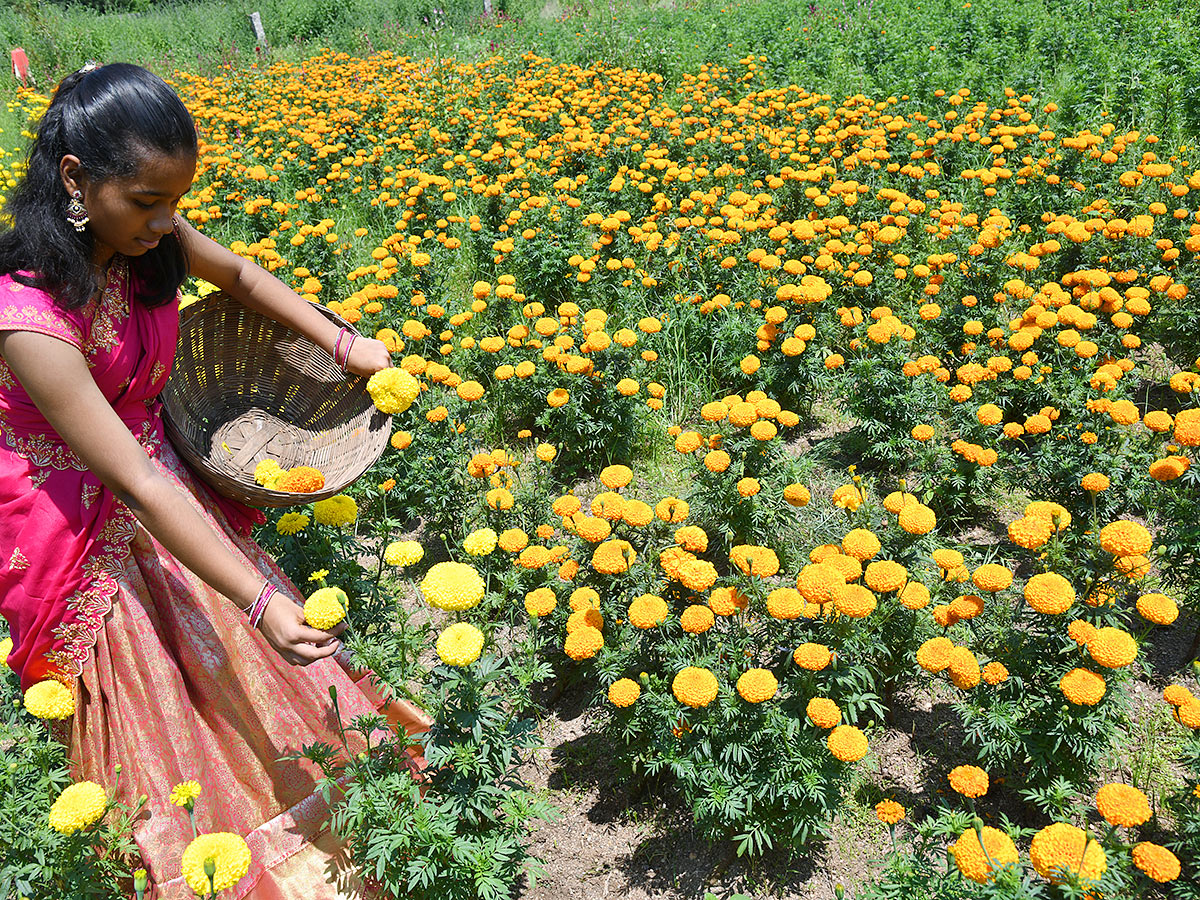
x=121, y=576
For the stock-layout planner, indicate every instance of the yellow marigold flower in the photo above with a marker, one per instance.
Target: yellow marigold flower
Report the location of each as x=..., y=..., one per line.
x=229, y=855
x=1082, y=687
x=325, y=607
x=671, y=559
x=1061, y=848
x=79, y=806
x=337, y=511
x=760, y=562
x=743, y=414
x=757, y=685
x=267, y=470
x=672, y=510
x=1124, y=538
x=546, y=452
x=785, y=603
x=934, y=654
x=1156, y=862
x=797, y=495
x=975, y=860
x=861, y=544
x=637, y=514
x=994, y=673
x=557, y=397
x=696, y=619
x=715, y=411
x=583, y=643
x=813, y=657
x=393, y=390
x=717, y=460
x=748, y=487
x=992, y=577
x=499, y=498
x=847, y=497
x=947, y=559
x=726, y=601
x=1158, y=609
x=689, y=442
x=291, y=523
x=694, y=687
x=616, y=477
x=823, y=712
x=1030, y=532
x=922, y=433
x=460, y=644
x=613, y=557
x=452, y=586
x=1132, y=567
x=885, y=576
x=624, y=692
x=49, y=700
x=480, y=542
x=818, y=582
x=647, y=611
x=854, y=601
x=403, y=553
x=512, y=540
x=1112, y=647
x=697, y=574
x=583, y=597
x=917, y=518
x=970, y=781
x=1049, y=593
x=6, y=646
x=889, y=812
x=609, y=505
x=847, y=743
x=1123, y=805
x=914, y=596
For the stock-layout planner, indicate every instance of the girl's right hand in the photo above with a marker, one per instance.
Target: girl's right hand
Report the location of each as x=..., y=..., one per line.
x=300, y=644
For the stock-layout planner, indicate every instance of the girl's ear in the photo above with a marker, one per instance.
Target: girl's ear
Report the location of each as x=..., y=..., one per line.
x=70, y=170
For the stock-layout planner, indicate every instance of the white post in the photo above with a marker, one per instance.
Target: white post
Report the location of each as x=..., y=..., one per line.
x=256, y=21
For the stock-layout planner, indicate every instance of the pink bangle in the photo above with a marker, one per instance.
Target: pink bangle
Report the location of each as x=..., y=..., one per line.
x=259, y=606
x=337, y=347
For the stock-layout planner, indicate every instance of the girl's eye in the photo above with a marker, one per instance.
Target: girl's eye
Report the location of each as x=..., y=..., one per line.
x=143, y=205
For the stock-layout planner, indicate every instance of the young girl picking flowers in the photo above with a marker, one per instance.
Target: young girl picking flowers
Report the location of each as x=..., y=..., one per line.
x=121, y=576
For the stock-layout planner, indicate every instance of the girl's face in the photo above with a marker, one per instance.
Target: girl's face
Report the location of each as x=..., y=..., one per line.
x=130, y=215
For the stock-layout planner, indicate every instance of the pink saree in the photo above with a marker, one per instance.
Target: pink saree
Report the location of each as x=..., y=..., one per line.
x=170, y=681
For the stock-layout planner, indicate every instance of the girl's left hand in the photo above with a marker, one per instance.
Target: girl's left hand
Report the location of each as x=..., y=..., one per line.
x=368, y=356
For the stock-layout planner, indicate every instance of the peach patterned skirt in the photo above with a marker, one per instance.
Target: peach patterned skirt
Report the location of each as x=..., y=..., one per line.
x=180, y=689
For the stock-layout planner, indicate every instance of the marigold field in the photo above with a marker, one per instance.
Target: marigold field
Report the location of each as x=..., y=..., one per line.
x=755, y=421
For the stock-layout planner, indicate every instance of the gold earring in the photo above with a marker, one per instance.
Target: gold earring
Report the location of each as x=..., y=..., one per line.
x=77, y=213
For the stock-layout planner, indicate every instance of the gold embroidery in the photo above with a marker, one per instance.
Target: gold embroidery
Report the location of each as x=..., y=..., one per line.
x=17, y=562
x=42, y=451
x=107, y=313
x=89, y=494
x=157, y=372
x=33, y=318
x=6, y=376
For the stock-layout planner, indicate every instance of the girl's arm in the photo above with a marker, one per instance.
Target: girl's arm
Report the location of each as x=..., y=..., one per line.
x=56, y=377
x=259, y=290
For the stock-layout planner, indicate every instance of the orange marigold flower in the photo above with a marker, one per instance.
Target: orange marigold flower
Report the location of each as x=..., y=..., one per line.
x=512, y=540
x=1112, y=647
x=1030, y=532
x=613, y=557
x=1123, y=805
x=847, y=743
x=979, y=861
x=854, y=601
x=760, y=562
x=861, y=544
x=588, y=617
x=817, y=582
x=813, y=657
x=726, y=601
x=889, y=812
x=624, y=692
x=970, y=781
x=1156, y=862
x=695, y=687
x=566, y=505
x=1061, y=848
x=647, y=611
x=689, y=442
x=847, y=497
x=583, y=643
x=1095, y=482
x=757, y=685
x=992, y=577
x=1049, y=593
x=616, y=477
x=637, y=514
x=1082, y=687
x=823, y=712
x=672, y=510
x=717, y=460
x=748, y=487
x=301, y=480
x=1124, y=538
x=692, y=538
x=540, y=602
x=914, y=596
x=796, y=495
x=922, y=433
x=696, y=619
x=1158, y=609
x=964, y=669
x=917, y=518
x=697, y=574
x=934, y=654
x=885, y=576
x=995, y=673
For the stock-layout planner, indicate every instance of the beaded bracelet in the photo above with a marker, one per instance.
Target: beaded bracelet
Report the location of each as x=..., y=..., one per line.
x=259, y=606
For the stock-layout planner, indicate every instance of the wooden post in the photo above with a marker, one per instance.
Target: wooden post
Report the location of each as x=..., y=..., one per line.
x=259, y=34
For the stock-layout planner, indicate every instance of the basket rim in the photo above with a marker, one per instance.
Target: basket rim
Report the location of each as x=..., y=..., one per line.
x=243, y=487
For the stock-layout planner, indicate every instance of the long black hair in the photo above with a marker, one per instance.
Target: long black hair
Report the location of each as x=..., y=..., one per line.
x=111, y=118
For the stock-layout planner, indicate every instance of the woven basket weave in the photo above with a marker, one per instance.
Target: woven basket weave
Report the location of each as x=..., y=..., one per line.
x=245, y=388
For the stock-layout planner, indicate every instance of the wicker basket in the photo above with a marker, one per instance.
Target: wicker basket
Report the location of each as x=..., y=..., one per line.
x=245, y=388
